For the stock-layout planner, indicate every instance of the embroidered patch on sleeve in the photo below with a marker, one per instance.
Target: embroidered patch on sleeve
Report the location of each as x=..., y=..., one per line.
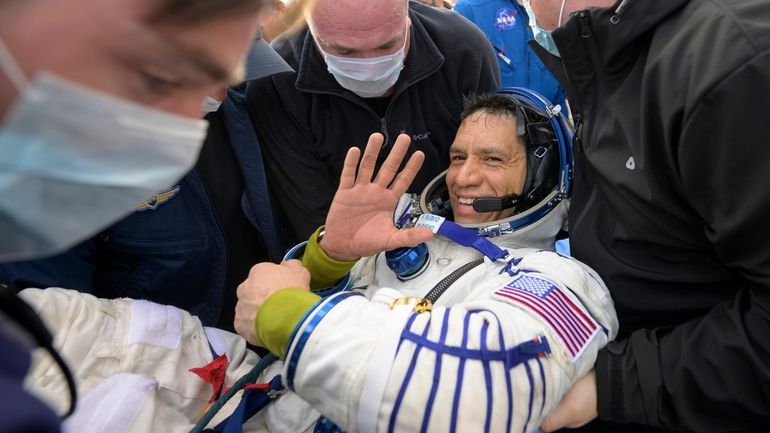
x=571, y=323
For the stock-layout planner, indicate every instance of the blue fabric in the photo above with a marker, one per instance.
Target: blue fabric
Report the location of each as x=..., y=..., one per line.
x=508, y=382
x=511, y=357
x=468, y=238
x=436, y=374
x=408, y=376
x=531, y=394
x=20, y=412
x=506, y=25
x=545, y=384
x=487, y=376
x=175, y=254
x=253, y=401
x=460, y=376
x=313, y=317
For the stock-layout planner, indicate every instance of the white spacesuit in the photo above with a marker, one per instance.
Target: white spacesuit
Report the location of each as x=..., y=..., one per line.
x=509, y=327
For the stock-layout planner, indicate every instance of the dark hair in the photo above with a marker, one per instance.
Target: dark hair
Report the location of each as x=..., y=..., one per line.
x=495, y=104
x=197, y=11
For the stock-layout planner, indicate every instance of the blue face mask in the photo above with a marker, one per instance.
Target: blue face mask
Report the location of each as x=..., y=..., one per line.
x=543, y=37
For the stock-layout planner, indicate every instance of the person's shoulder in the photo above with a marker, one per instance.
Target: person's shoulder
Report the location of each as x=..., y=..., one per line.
x=749, y=19
x=735, y=32
x=477, y=3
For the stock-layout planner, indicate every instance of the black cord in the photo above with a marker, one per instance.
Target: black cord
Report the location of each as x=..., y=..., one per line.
x=21, y=313
x=250, y=377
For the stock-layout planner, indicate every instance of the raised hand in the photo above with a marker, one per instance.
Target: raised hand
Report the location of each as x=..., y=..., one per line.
x=360, y=219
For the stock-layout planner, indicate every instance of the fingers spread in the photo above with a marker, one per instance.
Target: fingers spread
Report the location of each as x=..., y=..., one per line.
x=393, y=161
x=369, y=160
x=407, y=175
x=348, y=176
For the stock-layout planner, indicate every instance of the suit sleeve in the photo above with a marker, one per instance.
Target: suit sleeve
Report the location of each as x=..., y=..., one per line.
x=713, y=373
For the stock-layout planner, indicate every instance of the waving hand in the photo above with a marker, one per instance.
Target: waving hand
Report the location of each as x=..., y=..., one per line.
x=360, y=219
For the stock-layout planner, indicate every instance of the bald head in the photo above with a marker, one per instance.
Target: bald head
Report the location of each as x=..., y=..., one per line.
x=359, y=28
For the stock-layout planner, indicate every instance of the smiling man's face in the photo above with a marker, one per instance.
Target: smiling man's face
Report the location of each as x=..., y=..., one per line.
x=487, y=159
x=118, y=48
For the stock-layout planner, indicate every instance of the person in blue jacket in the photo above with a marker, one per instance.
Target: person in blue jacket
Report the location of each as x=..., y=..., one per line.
x=506, y=25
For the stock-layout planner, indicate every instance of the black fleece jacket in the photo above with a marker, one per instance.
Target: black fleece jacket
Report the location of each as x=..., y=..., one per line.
x=671, y=205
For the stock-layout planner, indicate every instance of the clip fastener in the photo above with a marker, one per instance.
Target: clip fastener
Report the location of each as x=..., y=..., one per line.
x=419, y=305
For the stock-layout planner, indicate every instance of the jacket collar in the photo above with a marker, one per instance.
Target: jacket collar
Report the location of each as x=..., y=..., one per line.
x=617, y=27
x=422, y=59
x=602, y=42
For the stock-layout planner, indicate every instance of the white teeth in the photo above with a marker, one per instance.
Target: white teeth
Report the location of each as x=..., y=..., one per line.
x=464, y=200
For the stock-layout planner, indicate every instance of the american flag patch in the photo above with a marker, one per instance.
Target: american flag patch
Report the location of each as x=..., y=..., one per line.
x=571, y=323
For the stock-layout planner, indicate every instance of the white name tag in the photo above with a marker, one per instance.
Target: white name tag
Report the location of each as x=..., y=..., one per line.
x=432, y=222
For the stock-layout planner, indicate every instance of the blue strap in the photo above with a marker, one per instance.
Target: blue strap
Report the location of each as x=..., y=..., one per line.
x=252, y=402
x=249, y=377
x=468, y=238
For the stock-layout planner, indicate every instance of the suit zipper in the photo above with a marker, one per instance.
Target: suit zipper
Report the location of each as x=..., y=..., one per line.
x=447, y=281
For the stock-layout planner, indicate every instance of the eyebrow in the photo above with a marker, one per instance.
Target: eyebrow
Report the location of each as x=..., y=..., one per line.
x=481, y=149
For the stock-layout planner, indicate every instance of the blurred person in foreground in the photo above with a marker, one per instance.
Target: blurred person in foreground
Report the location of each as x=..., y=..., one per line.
x=100, y=105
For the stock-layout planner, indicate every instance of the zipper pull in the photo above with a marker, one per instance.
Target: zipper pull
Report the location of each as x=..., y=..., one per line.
x=577, y=140
x=384, y=126
x=585, y=24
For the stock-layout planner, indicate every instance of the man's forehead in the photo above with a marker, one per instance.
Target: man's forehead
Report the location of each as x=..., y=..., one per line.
x=481, y=132
x=359, y=15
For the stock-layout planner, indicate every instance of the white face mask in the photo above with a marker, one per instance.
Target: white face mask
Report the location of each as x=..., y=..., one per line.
x=74, y=160
x=366, y=77
x=210, y=105
x=543, y=37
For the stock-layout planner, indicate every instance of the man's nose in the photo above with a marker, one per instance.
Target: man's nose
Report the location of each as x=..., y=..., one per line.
x=470, y=173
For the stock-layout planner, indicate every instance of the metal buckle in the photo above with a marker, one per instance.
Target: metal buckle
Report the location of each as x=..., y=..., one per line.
x=419, y=305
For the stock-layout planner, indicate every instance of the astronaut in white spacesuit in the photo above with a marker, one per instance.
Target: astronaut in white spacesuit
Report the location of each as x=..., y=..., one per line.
x=481, y=328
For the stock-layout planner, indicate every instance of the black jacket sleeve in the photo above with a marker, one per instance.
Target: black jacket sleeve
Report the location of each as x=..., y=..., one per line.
x=300, y=181
x=711, y=374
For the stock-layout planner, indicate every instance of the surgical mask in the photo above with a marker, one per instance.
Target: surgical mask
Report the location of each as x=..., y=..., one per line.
x=74, y=160
x=543, y=37
x=366, y=77
x=210, y=105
